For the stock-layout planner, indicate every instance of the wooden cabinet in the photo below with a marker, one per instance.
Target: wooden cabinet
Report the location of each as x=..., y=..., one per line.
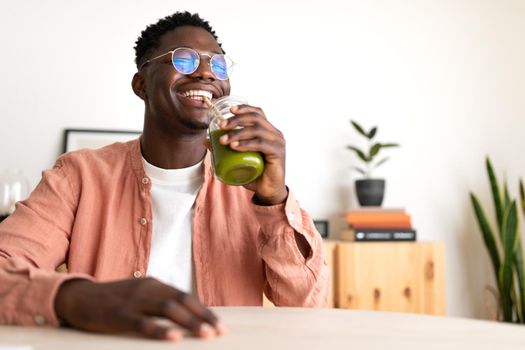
x=400, y=276
x=329, y=248
x=386, y=276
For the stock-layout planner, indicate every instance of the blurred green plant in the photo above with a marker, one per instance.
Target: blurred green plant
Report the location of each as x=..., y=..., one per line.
x=368, y=156
x=504, y=247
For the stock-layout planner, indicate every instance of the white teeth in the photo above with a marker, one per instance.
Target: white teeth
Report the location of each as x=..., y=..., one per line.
x=197, y=94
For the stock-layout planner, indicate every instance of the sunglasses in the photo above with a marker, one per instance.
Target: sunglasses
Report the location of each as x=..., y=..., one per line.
x=187, y=61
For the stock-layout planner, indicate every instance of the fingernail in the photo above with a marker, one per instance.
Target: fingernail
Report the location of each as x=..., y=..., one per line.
x=224, y=124
x=234, y=109
x=174, y=335
x=205, y=331
x=224, y=138
x=234, y=144
x=221, y=328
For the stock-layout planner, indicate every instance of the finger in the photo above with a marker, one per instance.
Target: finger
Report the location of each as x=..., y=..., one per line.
x=188, y=302
x=194, y=305
x=241, y=109
x=249, y=133
x=147, y=327
x=181, y=315
x=268, y=149
x=271, y=148
x=246, y=120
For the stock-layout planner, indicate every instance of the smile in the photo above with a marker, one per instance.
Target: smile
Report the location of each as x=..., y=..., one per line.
x=197, y=94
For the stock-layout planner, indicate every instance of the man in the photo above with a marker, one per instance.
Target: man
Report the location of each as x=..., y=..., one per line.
x=152, y=207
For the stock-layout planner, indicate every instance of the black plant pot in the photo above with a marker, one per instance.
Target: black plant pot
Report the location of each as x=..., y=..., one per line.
x=370, y=192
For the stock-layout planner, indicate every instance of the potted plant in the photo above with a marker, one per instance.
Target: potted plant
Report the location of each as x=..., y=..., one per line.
x=370, y=191
x=504, y=245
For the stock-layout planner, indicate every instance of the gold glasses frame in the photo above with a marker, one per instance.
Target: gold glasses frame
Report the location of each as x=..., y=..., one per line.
x=199, y=54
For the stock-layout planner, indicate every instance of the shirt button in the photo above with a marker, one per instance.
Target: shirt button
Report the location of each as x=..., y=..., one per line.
x=137, y=274
x=40, y=320
x=291, y=217
x=143, y=221
x=145, y=180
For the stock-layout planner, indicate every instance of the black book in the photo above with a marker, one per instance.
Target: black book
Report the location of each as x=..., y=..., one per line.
x=378, y=235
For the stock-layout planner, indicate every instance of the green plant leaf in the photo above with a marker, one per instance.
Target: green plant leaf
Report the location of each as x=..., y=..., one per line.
x=387, y=145
x=359, y=153
x=522, y=196
x=382, y=161
x=372, y=133
x=519, y=263
x=510, y=240
x=496, y=197
x=515, y=304
x=506, y=196
x=360, y=170
x=359, y=128
x=488, y=236
x=374, y=150
x=520, y=274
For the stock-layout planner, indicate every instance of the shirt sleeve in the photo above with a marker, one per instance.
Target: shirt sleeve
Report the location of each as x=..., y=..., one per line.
x=34, y=241
x=291, y=280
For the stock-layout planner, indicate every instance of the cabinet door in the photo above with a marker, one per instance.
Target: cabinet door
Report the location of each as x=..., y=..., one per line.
x=401, y=277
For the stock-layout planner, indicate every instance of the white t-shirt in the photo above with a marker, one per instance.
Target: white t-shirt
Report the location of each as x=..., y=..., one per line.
x=173, y=194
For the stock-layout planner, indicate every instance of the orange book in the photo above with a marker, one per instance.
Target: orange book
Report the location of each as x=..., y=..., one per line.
x=382, y=225
x=378, y=219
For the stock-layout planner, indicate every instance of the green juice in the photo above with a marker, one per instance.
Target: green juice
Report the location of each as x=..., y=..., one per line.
x=234, y=167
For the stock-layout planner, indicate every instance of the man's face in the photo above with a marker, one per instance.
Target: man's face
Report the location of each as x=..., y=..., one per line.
x=167, y=98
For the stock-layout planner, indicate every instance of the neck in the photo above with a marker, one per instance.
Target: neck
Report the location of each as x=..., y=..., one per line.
x=172, y=151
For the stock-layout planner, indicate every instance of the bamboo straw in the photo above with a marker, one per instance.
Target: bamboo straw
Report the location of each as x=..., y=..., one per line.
x=214, y=109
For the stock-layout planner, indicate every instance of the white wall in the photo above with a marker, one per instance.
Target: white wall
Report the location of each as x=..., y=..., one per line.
x=444, y=78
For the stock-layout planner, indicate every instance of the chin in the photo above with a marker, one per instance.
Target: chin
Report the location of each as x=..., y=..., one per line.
x=197, y=125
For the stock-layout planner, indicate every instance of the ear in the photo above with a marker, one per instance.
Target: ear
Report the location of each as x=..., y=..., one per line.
x=139, y=86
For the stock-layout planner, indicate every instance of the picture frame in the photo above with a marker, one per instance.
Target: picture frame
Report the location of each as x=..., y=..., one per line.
x=323, y=227
x=75, y=139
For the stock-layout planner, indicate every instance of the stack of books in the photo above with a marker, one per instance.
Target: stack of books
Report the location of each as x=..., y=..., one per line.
x=378, y=224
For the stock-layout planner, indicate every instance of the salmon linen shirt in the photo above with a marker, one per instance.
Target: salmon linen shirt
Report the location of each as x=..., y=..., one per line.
x=93, y=211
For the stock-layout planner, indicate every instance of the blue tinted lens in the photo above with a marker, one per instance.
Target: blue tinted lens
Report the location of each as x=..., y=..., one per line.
x=219, y=66
x=185, y=61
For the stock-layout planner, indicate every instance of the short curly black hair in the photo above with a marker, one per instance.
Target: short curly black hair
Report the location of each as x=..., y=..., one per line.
x=150, y=37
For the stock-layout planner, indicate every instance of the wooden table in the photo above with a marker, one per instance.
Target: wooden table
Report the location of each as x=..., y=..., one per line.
x=295, y=328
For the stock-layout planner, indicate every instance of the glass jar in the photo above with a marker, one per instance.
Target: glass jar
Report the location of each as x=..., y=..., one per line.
x=230, y=166
x=14, y=187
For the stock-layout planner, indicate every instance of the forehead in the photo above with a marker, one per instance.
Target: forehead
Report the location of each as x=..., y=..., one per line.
x=188, y=36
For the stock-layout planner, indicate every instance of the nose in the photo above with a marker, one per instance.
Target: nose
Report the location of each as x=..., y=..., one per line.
x=203, y=71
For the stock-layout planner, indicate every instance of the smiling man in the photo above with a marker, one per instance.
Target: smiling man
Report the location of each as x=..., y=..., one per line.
x=153, y=208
